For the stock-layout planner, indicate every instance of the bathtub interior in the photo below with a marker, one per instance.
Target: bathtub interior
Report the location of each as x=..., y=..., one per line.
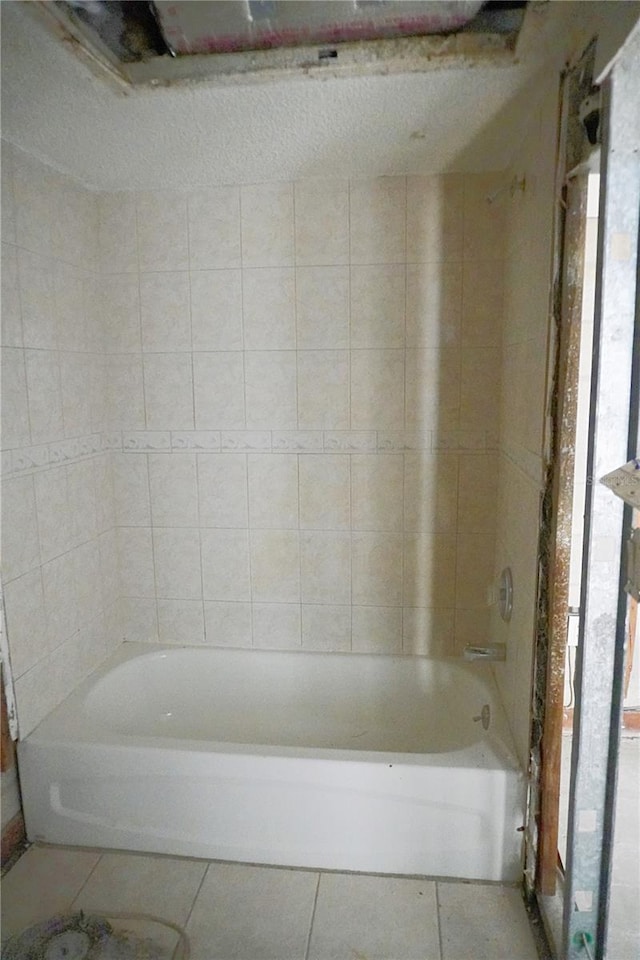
x=346, y=702
x=288, y=700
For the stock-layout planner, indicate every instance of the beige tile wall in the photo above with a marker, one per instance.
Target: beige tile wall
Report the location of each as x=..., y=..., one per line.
x=59, y=560
x=529, y=234
x=305, y=379
x=260, y=415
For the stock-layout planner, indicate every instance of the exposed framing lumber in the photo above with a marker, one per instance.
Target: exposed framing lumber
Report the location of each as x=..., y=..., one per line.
x=563, y=458
x=555, y=542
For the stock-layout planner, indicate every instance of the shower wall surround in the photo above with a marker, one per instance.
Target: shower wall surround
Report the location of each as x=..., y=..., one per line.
x=305, y=377
x=527, y=325
x=255, y=415
x=59, y=556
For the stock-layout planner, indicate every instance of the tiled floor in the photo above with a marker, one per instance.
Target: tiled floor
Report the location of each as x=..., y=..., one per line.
x=240, y=912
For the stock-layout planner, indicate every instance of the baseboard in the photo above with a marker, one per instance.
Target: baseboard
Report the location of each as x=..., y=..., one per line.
x=13, y=838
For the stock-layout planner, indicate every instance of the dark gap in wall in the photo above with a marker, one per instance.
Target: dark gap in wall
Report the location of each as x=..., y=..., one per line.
x=135, y=31
x=127, y=27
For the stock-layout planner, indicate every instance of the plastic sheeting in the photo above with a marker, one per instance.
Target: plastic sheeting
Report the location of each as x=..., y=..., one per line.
x=226, y=26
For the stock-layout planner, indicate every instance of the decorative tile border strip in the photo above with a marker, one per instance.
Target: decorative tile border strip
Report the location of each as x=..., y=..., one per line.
x=30, y=458
x=112, y=441
x=245, y=441
x=297, y=441
x=461, y=440
x=78, y=448
x=351, y=441
x=147, y=441
x=203, y=441
x=43, y=456
x=403, y=441
x=35, y=459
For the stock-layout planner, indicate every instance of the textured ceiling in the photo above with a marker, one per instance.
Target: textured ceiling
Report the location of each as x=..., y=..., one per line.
x=56, y=109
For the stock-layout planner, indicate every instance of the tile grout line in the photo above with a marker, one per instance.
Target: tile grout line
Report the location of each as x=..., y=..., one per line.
x=87, y=878
x=193, y=904
x=439, y=925
x=244, y=344
x=489, y=261
x=300, y=535
x=350, y=542
x=249, y=528
x=146, y=455
x=197, y=482
x=151, y=529
x=246, y=454
x=196, y=459
x=297, y=373
x=138, y=276
x=456, y=569
x=404, y=419
x=313, y=917
x=193, y=379
x=349, y=387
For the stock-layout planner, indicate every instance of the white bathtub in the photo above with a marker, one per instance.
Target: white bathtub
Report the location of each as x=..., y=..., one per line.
x=335, y=761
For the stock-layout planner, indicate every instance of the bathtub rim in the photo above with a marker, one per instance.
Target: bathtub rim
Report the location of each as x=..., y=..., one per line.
x=495, y=748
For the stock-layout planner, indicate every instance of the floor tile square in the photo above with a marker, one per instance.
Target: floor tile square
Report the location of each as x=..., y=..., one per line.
x=624, y=922
x=43, y=882
x=163, y=887
x=484, y=922
x=127, y=883
x=380, y=918
x=252, y=913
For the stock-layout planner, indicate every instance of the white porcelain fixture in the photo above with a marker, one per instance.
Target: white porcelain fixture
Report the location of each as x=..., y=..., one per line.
x=335, y=761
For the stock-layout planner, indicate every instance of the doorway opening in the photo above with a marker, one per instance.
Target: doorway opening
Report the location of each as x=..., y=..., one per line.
x=589, y=824
x=624, y=927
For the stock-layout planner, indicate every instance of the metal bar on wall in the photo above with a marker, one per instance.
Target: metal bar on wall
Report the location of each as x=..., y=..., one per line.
x=599, y=665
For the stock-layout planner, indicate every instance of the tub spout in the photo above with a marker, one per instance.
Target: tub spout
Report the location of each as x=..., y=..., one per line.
x=496, y=651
